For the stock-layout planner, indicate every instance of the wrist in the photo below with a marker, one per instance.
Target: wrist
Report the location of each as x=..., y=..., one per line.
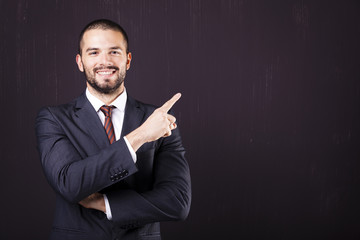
x=137, y=138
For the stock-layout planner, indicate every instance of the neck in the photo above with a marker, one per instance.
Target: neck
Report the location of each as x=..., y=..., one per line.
x=107, y=98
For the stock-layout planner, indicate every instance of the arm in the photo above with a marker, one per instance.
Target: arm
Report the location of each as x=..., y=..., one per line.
x=71, y=175
x=171, y=194
x=168, y=200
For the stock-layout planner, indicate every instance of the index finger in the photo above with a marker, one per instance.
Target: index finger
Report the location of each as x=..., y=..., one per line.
x=168, y=105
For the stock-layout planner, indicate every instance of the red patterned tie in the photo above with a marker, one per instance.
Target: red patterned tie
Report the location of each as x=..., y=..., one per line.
x=109, y=128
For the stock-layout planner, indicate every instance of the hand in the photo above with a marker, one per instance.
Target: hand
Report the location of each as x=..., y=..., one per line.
x=94, y=201
x=159, y=124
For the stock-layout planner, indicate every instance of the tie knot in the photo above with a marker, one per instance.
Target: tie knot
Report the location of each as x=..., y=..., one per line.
x=106, y=110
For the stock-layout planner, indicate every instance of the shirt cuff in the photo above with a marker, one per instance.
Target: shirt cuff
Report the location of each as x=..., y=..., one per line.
x=107, y=207
x=132, y=152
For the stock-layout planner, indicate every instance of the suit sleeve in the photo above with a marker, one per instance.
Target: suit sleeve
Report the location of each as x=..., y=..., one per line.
x=171, y=194
x=72, y=176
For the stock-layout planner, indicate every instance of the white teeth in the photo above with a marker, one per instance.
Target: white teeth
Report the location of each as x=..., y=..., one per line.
x=104, y=73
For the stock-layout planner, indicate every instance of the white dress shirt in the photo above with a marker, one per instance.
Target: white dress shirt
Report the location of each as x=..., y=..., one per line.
x=117, y=118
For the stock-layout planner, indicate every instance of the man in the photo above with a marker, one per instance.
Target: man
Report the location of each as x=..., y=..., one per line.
x=116, y=165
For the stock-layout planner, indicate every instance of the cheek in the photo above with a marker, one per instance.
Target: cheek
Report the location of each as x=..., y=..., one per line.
x=88, y=66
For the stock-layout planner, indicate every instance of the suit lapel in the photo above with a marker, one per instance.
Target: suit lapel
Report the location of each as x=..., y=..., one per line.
x=88, y=118
x=133, y=117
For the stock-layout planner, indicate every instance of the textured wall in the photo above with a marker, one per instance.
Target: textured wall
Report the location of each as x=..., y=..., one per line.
x=270, y=112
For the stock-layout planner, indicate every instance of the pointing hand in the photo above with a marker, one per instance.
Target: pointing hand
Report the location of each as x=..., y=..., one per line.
x=159, y=124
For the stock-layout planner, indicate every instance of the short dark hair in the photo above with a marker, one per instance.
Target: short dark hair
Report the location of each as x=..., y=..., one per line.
x=104, y=24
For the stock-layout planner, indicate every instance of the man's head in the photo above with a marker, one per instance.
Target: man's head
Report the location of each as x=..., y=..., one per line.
x=104, y=56
x=103, y=24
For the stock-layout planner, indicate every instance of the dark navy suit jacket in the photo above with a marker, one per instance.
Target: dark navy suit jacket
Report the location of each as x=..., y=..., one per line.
x=78, y=160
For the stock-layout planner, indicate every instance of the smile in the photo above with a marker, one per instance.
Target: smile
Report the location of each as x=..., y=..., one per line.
x=108, y=72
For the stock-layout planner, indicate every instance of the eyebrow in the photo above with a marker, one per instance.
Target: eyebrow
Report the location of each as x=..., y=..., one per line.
x=115, y=48
x=93, y=49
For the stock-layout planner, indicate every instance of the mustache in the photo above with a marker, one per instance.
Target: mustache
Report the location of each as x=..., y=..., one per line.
x=108, y=67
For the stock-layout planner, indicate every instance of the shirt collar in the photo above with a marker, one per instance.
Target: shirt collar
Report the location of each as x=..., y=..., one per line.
x=119, y=102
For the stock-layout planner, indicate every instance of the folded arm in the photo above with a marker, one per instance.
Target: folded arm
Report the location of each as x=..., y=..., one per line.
x=69, y=173
x=170, y=197
x=171, y=194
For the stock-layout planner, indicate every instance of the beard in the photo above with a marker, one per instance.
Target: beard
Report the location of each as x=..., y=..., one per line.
x=107, y=87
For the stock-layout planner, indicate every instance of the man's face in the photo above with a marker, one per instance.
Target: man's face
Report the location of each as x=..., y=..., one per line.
x=104, y=60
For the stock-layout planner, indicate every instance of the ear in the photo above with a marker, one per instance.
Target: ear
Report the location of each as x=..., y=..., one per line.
x=129, y=57
x=79, y=62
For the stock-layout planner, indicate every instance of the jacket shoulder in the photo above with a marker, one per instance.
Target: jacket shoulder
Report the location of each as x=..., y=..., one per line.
x=65, y=108
x=146, y=107
x=62, y=109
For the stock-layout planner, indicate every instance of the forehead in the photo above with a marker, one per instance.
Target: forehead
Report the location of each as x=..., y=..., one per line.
x=99, y=38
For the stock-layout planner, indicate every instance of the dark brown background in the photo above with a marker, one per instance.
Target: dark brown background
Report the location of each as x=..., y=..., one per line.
x=270, y=112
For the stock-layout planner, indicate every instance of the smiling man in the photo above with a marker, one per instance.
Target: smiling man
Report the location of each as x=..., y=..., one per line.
x=116, y=165
x=98, y=47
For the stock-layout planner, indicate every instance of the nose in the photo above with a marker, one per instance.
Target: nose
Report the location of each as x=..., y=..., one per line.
x=105, y=60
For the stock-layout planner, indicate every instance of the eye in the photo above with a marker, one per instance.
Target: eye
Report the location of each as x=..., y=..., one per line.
x=93, y=53
x=115, y=52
